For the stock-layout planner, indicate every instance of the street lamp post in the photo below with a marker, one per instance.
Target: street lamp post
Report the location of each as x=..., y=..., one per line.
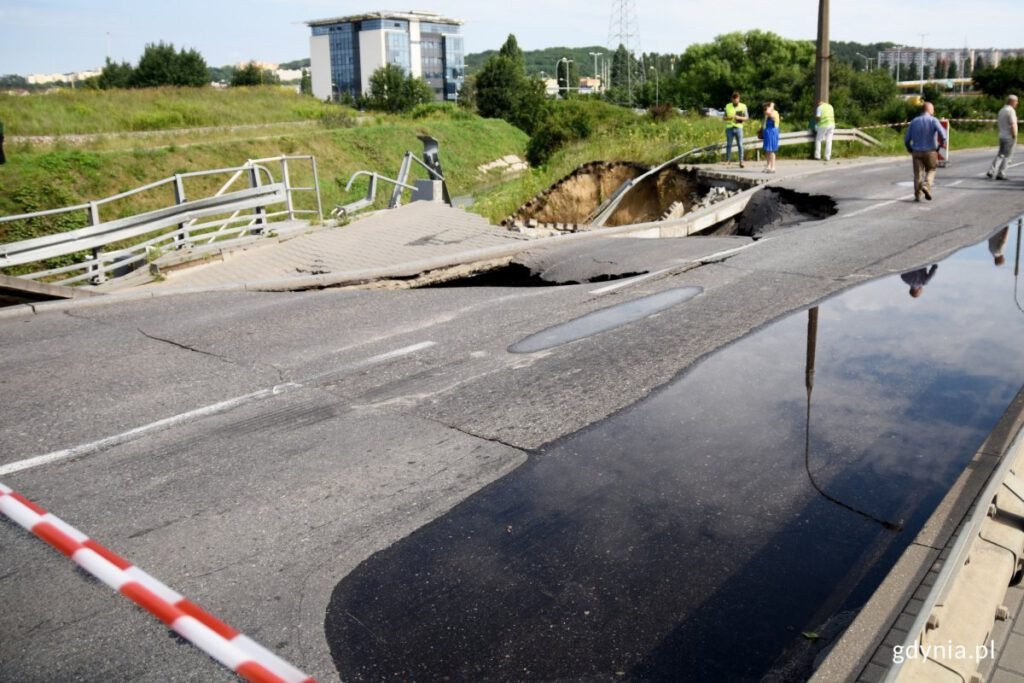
x=867, y=61
x=567, y=61
x=595, y=55
x=657, y=87
x=922, y=63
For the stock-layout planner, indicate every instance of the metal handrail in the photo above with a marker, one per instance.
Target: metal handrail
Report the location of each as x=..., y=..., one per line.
x=957, y=555
x=262, y=192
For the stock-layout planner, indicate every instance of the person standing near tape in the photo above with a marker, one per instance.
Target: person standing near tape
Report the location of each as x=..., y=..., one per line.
x=923, y=138
x=3, y=159
x=825, y=126
x=735, y=116
x=1007, y=139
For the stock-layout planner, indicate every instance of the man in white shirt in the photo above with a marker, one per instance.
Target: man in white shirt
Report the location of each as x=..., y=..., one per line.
x=1007, y=139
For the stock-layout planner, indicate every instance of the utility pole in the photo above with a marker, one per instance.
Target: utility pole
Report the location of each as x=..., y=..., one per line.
x=623, y=31
x=922, y=63
x=821, y=65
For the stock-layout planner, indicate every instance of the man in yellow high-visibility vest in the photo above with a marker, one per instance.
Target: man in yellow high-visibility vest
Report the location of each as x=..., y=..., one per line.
x=735, y=115
x=825, y=124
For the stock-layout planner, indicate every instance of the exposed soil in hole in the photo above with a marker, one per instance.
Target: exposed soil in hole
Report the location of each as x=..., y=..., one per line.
x=574, y=199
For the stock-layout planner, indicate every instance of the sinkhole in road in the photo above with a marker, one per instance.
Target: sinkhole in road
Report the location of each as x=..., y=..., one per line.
x=772, y=208
x=697, y=533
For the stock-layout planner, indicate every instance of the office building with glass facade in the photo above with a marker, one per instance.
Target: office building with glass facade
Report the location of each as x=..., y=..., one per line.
x=346, y=51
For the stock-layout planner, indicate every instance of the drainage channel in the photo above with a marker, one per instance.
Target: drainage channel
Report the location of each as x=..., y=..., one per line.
x=727, y=527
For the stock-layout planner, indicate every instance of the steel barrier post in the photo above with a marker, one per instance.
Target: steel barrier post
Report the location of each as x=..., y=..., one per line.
x=182, y=239
x=260, y=211
x=289, y=204
x=96, y=268
x=316, y=186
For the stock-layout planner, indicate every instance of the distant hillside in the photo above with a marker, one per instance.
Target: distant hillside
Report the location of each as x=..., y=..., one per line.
x=544, y=60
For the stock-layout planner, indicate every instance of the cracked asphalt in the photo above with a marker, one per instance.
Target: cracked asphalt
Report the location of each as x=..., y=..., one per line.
x=399, y=405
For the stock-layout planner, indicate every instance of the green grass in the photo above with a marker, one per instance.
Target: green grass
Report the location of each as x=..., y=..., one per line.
x=82, y=111
x=195, y=129
x=65, y=172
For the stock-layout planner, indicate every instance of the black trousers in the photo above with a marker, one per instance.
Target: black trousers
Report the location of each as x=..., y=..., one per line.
x=3, y=159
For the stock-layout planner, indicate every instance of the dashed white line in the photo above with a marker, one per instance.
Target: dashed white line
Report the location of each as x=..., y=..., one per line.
x=647, y=276
x=205, y=411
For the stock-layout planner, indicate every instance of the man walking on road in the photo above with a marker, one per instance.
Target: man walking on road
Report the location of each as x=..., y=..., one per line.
x=1007, y=139
x=923, y=138
x=735, y=116
x=825, y=126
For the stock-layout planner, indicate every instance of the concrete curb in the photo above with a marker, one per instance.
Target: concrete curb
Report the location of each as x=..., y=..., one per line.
x=859, y=650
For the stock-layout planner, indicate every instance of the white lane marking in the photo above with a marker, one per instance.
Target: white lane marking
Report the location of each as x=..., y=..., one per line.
x=646, y=276
x=205, y=411
x=367, y=362
x=630, y=281
x=878, y=206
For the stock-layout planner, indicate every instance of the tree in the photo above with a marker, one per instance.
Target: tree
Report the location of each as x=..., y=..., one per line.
x=13, y=81
x=392, y=90
x=467, y=93
x=306, y=84
x=190, y=69
x=251, y=74
x=386, y=85
x=761, y=65
x=161, y=64
x=951, y=71
x=503, y=90
x=511, y=50
x=156, y=66
x=116, y=75
x=1002, y=80
x=496, y=86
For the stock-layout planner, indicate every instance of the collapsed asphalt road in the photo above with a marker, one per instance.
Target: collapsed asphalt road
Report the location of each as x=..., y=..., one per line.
x=408, y=404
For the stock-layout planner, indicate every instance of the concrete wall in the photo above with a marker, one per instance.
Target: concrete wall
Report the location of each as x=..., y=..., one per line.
x=372, y=56
x=320, y=66
x=415, y=58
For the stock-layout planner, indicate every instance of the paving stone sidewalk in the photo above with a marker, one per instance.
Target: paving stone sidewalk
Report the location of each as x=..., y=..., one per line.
x=413, y=233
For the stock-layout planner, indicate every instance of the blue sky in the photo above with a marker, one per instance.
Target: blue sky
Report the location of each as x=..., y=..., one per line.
x=48, y=36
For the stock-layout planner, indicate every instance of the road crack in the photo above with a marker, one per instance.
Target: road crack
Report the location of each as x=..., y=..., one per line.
x=184, y=346
x=478, y=436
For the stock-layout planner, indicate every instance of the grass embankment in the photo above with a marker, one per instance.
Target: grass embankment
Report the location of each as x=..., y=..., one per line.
x=72, y=170
x=191, y=130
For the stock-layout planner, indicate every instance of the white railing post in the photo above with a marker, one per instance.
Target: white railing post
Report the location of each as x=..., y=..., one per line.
x=182, y=240
x=289, y=204
x=316, y=187
x=260, y=212
x=96, y=267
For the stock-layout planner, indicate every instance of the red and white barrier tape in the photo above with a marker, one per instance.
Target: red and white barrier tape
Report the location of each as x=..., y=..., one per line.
x=907, y=123
x=237, y=652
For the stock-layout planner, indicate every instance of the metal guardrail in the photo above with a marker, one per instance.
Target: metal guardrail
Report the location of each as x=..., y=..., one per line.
x=235, y=213
x=985, y=507
x=604, y=211
x=431, y=163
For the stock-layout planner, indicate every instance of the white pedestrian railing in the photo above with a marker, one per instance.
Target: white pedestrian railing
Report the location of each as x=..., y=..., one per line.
x=246, y=204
